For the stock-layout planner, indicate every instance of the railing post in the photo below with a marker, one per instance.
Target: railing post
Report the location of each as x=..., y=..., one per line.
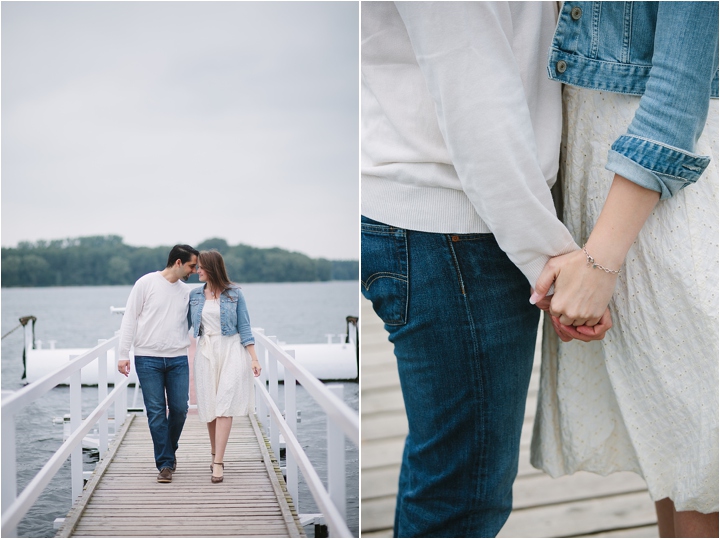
x=336, y=459
x=102, y=394
x=260, y=349
x=9, y=466
x=76, y=463
x=121, y=400
x=291, y=474
x=273, y=430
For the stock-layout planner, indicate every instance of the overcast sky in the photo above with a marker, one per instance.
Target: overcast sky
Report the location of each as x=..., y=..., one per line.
x=167, y=122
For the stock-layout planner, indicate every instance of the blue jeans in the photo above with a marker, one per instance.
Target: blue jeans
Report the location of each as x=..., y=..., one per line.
x=161, y=376
x=464, y=332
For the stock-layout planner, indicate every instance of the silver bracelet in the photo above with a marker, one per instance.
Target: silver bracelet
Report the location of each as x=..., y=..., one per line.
x=591, y=262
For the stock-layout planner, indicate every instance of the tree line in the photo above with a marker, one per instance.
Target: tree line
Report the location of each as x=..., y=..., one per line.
x=106, y=260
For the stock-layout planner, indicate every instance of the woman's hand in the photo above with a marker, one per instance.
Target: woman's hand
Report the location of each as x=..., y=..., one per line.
x=581, y=333
x=256, y=367
x=582, y=293
x=255, y=363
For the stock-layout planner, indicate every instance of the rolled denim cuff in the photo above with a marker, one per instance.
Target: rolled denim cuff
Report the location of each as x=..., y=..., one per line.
x=654, y=165
x=248, y=342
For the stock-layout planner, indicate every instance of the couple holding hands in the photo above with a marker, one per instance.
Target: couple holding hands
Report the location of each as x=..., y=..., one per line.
x=470, y=112
x=159, y=312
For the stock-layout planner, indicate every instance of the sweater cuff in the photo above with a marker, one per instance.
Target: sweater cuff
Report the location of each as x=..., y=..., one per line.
x=533, y=269
x=655, y=166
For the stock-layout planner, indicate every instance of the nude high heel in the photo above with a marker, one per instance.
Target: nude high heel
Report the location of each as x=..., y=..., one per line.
x=214, y=478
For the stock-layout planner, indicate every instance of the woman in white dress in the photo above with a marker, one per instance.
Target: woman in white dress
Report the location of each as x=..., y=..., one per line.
x=640, y=170
x=225, y=359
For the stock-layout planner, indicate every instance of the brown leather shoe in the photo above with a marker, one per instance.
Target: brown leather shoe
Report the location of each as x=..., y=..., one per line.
x=165, y=476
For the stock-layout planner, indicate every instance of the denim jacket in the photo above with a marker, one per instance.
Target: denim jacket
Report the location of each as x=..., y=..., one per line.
x=666, y=52
x=234, y=317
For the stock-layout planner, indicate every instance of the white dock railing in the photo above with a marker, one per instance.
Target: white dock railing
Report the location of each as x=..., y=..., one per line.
x=342, y=421
x=15, y=507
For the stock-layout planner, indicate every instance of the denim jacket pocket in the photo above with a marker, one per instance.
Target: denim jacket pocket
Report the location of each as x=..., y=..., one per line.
x=384, y=270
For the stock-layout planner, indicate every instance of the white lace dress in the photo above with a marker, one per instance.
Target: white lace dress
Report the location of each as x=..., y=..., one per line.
x=645, y=399
x=223, y=370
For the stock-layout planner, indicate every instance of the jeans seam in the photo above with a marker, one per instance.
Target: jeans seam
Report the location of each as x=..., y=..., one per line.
x=458, y=273
x=375, y=276
x=480, y=456
x=477, y=370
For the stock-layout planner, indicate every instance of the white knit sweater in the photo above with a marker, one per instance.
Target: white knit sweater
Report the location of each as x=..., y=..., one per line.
x=460, y=124
x=155, y=318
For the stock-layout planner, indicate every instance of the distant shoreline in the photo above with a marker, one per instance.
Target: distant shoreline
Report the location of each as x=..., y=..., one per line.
x=106, y=260
x=241, y=283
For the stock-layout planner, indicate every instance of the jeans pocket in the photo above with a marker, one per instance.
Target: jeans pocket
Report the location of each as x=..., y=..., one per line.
x=384, y=270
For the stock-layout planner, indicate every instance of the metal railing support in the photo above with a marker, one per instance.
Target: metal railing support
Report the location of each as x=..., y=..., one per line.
x=336, y=459
x=9, y=467
x=342, y=422
x=291, y=473
x=121, y=400
x=273, y=432
x=335, y=522
x=261, y=351
x=102, y=394
x=14, y=506
x=76, y=467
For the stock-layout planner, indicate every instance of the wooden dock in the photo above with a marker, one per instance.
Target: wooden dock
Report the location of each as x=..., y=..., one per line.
x=581, y=505
x=123, y=498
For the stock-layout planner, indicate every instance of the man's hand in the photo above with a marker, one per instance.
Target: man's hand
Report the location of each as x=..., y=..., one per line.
x=124, y=366
x=582, y=333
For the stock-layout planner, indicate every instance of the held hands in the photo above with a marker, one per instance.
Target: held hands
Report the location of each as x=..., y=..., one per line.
x=124, y=366
x=582, y=293
x=581, y=333
x=578, y=308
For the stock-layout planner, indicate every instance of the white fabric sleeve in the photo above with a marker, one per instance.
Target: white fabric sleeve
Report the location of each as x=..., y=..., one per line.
x=467, y=59
x=128, y=327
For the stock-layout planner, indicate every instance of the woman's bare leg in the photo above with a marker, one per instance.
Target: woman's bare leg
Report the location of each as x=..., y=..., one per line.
x=665, y=510
x=222, y=434
x=694, y=524
x=211, y=432
x=672, y=523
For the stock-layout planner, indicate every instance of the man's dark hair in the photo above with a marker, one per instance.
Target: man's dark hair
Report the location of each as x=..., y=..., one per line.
x=182, y=252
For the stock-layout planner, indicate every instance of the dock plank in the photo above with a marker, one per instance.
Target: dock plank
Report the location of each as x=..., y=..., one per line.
x=580, y=505
x=123, y=498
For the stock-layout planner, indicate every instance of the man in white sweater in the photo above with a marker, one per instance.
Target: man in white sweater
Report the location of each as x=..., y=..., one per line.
x=156, y=323
x=460, y=146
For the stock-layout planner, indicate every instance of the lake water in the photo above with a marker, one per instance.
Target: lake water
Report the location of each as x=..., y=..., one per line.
x=79, y=316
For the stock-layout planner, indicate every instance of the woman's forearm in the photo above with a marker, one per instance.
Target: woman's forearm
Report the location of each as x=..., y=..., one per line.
x=251, y=350
x=626, y=209
x=582, y=292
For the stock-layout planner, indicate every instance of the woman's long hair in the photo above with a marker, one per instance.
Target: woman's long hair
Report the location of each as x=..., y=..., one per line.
x=214, y=266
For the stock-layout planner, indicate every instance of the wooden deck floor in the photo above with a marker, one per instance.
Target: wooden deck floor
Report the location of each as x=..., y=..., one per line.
x=581, y=505
x=124, y=499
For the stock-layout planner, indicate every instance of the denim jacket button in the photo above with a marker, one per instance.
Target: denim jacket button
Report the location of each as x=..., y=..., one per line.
x=561, y=66
x=576, y=13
